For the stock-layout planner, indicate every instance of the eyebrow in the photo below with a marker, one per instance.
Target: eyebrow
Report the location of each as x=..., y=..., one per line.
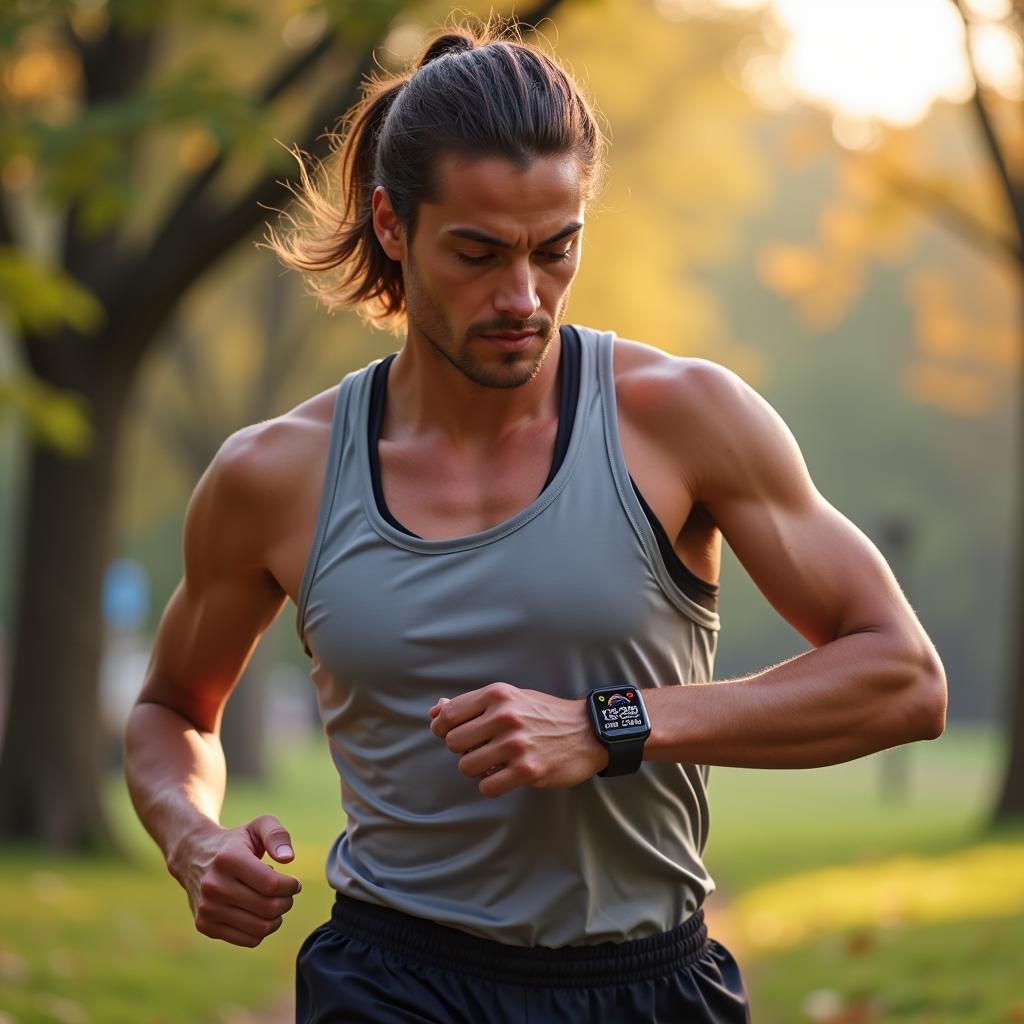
x=479, y=236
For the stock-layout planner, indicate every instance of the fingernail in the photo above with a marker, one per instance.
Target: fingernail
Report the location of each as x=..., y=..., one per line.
x=284, y=851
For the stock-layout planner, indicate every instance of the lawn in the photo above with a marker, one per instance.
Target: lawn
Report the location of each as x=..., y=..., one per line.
x=842, y=905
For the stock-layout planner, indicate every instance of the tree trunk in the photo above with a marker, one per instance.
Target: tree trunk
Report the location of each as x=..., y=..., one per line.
x=50, y=763
x=1009, y=808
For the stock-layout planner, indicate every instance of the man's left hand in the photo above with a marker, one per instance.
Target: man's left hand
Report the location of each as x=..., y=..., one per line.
x=512, y=737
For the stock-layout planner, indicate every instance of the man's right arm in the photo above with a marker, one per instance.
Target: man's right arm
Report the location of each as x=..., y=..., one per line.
x=174, y=763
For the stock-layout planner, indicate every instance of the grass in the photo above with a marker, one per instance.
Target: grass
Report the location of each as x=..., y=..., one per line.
x=843, y=907
x=847, y=906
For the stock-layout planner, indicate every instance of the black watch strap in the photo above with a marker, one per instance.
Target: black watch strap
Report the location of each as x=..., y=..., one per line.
x=624, y=757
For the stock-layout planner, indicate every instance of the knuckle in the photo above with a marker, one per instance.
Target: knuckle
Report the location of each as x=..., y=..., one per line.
x=505, y=716
x=516, y=745
x=500, y=691
x=209, y=887
x=222, y=859
x=530, y=771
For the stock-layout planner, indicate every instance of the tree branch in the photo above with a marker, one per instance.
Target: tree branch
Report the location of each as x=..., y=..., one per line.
x=959, y=220
x=1013, y=194
x=190, y=243
x=185, y=207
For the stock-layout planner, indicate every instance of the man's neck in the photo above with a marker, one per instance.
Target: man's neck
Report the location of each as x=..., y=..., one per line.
x=428, y=395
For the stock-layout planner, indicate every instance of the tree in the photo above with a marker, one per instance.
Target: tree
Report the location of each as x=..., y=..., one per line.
x=93, y=95
x=985, y=210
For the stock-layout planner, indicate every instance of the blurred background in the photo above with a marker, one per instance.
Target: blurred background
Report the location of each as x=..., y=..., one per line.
x=827, y=197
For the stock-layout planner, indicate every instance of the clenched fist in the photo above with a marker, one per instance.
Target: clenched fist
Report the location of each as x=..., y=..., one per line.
x=233, y=894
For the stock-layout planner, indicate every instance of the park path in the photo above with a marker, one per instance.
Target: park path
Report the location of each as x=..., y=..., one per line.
x=721, y=922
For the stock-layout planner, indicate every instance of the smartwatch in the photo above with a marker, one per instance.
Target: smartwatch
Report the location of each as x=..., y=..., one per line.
x=621, y=724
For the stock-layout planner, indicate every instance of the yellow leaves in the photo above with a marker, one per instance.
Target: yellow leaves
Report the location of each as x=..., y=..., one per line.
x=981, y=881
x=790, y=270
x=41, y=72
x=961, y=392
x=683, y=171
x=824, y=285
x=968, y=337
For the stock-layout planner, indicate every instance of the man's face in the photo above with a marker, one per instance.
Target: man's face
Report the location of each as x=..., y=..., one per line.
x=495, y=255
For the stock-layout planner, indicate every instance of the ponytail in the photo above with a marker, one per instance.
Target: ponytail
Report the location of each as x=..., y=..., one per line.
x=366, y=277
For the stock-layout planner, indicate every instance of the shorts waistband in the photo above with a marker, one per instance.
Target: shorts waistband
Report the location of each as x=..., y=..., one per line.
x=605, y=963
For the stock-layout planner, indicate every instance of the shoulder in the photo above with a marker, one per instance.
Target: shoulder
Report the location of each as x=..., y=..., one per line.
x=247, y=495
x=263, y=458
x=724, y=433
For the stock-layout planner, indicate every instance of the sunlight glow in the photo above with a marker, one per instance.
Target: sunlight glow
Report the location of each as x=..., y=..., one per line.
x=868, y=62
x=986, y=880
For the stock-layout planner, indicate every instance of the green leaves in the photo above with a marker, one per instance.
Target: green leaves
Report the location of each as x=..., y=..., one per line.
x=59, y=418
x=38, y=300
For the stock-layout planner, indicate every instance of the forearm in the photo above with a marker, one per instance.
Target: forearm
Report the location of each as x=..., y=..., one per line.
x=176, y=775
x=850, y=697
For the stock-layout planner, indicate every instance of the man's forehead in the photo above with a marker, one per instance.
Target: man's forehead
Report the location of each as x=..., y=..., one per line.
x=488, y=193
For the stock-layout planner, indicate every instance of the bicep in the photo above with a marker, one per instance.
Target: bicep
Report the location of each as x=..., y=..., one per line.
x=818, y=570
x=225, y=601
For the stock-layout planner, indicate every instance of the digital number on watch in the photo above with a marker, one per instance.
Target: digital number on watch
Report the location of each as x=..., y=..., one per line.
x=618, y=713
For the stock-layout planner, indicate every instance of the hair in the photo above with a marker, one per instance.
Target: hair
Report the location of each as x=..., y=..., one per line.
x=474, y=91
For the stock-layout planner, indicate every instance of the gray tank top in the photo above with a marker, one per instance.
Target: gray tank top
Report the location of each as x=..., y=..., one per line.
x=569, y=594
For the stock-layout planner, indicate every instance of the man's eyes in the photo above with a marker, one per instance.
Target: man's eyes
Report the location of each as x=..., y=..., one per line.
x=553, y=257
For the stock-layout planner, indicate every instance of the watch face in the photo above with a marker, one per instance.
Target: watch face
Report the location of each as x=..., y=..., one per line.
x=619, y=713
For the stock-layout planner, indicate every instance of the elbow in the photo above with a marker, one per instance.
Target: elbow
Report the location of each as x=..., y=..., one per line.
x=929, y=697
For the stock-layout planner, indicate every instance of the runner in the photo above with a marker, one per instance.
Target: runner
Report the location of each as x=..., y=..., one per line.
x=503, y=543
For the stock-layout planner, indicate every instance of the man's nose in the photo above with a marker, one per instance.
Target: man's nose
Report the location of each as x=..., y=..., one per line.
x=517, y=295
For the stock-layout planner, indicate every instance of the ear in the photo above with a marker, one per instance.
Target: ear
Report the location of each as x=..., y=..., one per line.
x=386, y=225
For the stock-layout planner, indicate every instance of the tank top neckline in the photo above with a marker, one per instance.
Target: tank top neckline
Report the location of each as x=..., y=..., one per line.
x=573, y=415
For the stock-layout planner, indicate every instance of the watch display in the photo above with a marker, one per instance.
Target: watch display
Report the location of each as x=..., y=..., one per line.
x=619, y=714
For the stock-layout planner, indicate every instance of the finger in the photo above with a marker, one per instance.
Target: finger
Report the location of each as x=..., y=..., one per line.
x=468, y=705
x=219, y=891
x=273, y=837
x=260, y=877
x=243, y=927
x=478, y=760
x=499, y=782
x=474, y=733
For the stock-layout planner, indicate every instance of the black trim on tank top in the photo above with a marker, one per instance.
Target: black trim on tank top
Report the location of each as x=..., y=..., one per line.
x=701, y=591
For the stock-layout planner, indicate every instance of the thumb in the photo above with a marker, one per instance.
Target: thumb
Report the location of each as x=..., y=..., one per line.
x=273, y=836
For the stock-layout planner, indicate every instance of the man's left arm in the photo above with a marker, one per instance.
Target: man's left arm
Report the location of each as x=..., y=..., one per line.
x=873, y=679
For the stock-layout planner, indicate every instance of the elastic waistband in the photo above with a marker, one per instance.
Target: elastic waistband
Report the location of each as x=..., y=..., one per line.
x=606, y=963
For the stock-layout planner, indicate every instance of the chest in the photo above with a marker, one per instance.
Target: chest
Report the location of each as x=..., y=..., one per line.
x=437, y=494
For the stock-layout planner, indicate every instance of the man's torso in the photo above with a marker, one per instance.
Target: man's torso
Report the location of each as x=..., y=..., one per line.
x=437, y=495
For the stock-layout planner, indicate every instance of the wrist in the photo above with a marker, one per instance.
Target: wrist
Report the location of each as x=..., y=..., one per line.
x=595, y=753
x=182, y=851
x=621, y=725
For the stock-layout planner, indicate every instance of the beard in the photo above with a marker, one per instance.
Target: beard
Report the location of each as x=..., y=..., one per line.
x=508, y=370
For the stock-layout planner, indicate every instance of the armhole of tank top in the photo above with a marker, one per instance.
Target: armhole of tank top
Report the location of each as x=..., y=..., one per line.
x=328, y=494
x=605, y=343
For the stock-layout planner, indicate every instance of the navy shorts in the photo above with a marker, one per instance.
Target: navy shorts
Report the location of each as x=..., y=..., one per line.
x=374, y=965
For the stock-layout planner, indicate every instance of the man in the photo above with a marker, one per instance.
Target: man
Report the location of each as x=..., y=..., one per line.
x=503, y=543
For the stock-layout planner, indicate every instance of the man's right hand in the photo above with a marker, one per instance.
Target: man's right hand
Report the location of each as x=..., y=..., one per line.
x=234, y=896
